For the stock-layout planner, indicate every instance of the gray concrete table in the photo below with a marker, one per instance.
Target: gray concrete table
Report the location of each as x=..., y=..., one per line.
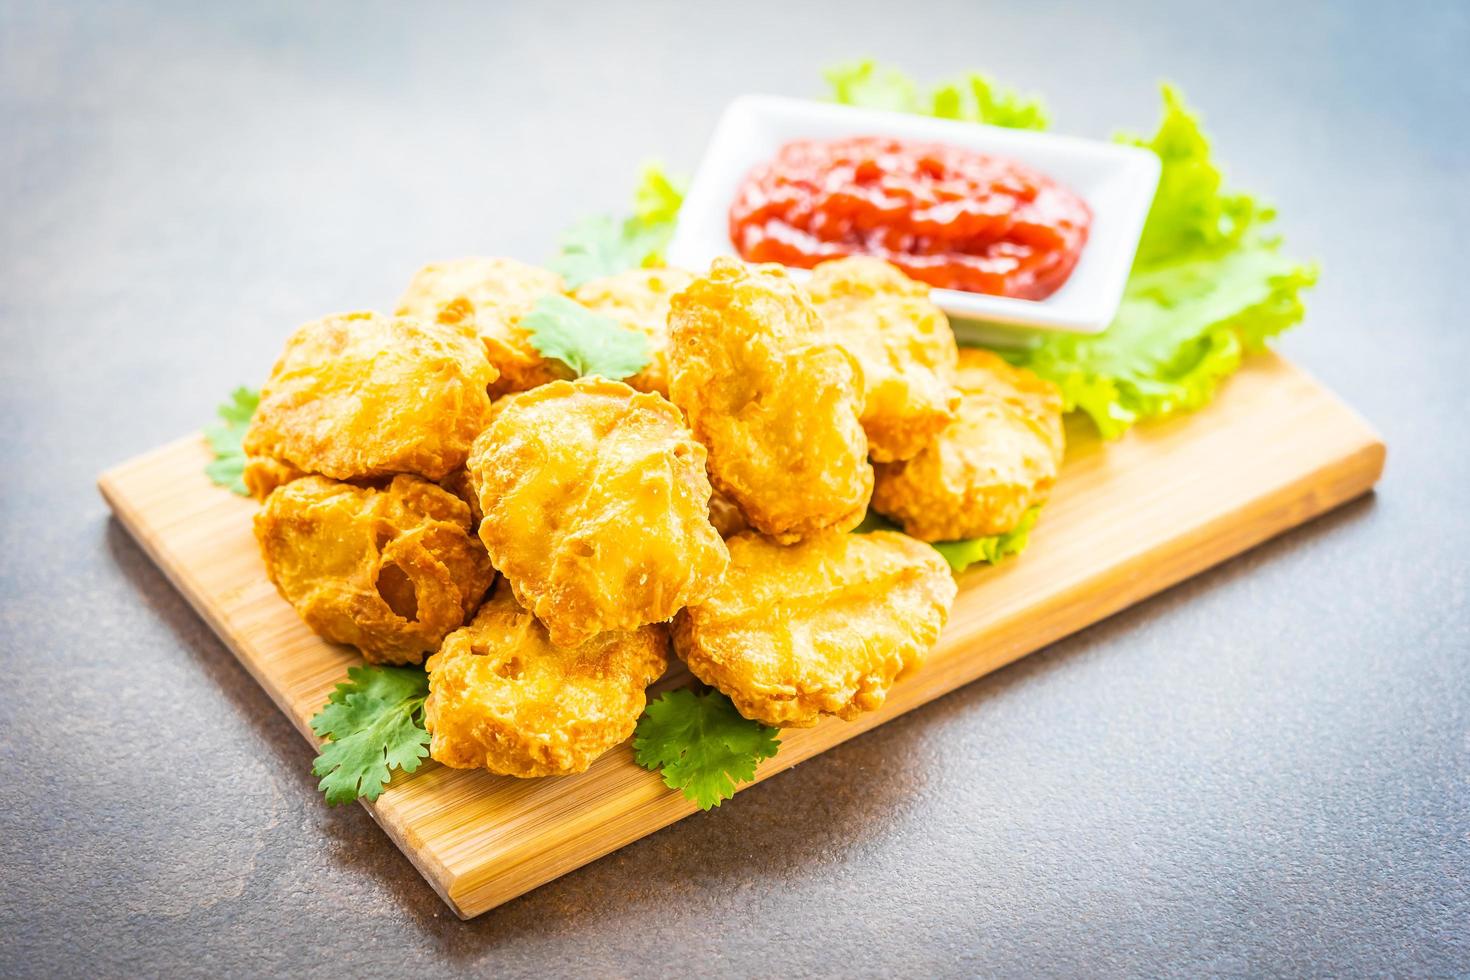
x=1262, y=771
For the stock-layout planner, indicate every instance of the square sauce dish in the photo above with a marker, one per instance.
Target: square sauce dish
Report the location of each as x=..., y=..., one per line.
x=1116, y=182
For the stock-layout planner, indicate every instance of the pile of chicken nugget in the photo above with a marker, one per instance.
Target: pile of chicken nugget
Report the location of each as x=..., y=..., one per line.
x=433, y=486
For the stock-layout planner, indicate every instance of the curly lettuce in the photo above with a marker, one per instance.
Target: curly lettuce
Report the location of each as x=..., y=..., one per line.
x=1209, y=285
x=993, y=549
x=1183, y=327
x=972, y=97
x=1209, y=282
x=964, y=552
x=1191, y=211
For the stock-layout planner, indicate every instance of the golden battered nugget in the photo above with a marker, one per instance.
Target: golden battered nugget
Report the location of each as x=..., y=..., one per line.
x=596, y=507
x=639, y=299
x=996, y=461
x=503, y=697
x=820, y=627
x=905, y=346
x=774, y=401
x=490, y=295
x=458, y=483
x=725, y=516
x=360, y=395
x=390, y=571
x=264, y=473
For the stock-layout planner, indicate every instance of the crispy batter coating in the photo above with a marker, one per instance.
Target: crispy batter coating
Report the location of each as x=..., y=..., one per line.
x=640, y=299
x=462, y=485
x=904, y=344
x=503, y=697
x=775, y=402
x=596, y=507
x=360, y=395
x=490, y=295
x=997, y=460
x=263, y=474
x=390, y=571
x=725, y=516
x=820, y=627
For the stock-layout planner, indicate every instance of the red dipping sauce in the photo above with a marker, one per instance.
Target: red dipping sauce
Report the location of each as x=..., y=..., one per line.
x=950, y=217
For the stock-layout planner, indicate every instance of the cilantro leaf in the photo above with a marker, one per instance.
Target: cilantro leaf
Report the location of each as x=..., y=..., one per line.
x=586, y=342
x=972, y=97
x=702, y=744
x=227, y=469
x=963, y=553
x=603, y=246
x=374, y=723
x=594, y=247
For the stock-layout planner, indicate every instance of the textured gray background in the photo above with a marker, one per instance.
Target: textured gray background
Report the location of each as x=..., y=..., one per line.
x=1263, y=771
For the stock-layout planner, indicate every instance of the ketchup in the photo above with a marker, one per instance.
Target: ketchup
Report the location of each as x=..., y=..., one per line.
x=946, y=216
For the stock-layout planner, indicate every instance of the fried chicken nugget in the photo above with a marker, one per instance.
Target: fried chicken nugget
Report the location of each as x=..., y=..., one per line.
x=820, y=627
x=360, y=395
x=997, y=460
x=725, y=516
x=389, y=571
x=775, y=402
x=264, y=473
x=462, y=485
x=904, y=344
x=640, y=299
x=596, y=507
x=490, y=295
x=503, y=697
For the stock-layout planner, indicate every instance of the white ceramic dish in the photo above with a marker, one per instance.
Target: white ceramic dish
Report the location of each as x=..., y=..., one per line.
x=1117, y=182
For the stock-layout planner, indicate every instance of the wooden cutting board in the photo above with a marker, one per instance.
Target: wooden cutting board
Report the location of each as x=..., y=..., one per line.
x=1128, y=519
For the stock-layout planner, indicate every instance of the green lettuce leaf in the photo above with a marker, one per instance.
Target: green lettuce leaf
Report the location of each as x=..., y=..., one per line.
x=1182, y=328
x=1190, y=211
x=963, y=553
x=991, y=550
x=972, y=97
x=1209, y=284
x=658, y=197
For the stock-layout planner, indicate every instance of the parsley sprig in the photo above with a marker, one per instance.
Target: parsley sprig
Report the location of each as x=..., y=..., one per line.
x=702, y=745
x=586, y=342
x=227, y=469
x=603, y=246
x=374, y=723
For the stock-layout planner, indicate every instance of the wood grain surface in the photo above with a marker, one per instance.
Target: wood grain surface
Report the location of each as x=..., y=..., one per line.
x=1128, y=519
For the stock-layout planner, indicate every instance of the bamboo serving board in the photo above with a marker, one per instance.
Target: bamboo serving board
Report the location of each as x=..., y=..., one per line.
x=1127, y=520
